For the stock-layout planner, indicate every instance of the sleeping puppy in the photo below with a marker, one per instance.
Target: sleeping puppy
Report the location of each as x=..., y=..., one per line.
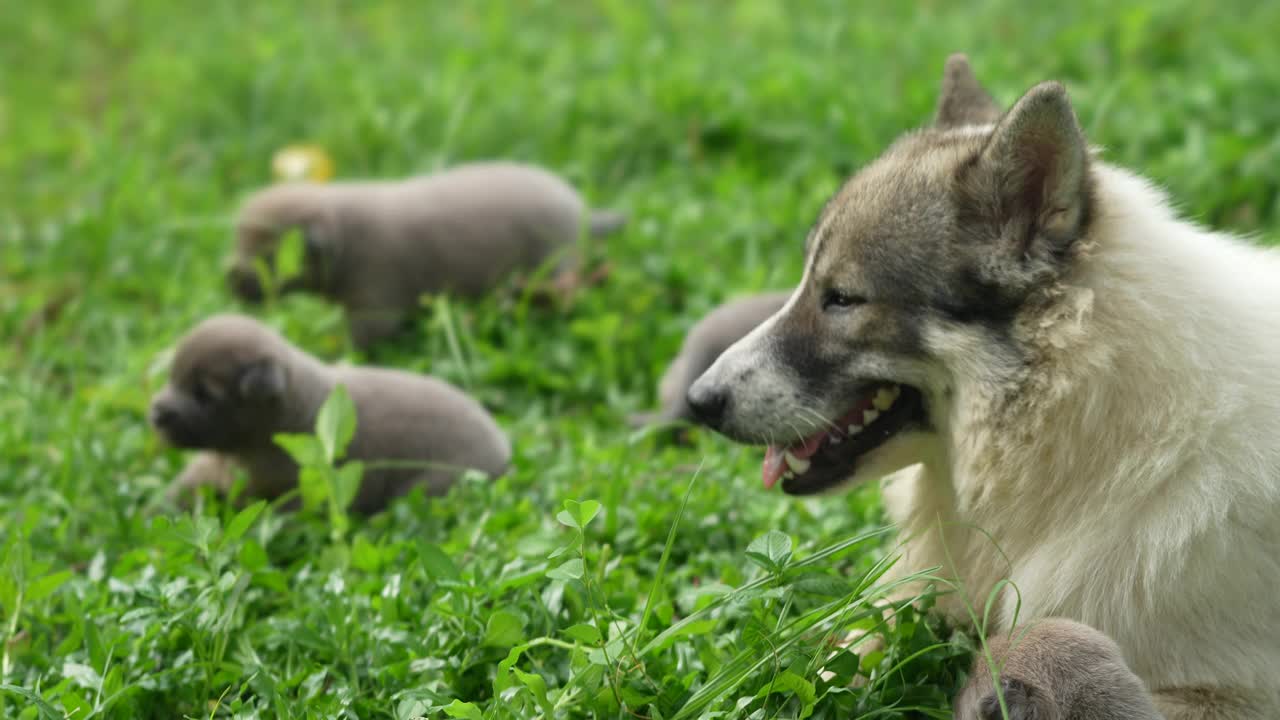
x=704, y=342
x=235, y=384
x=1057, y=670
x=376, y=247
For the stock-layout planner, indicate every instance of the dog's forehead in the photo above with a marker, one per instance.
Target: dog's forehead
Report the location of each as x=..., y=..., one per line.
x=893, y=209
x=218, y=350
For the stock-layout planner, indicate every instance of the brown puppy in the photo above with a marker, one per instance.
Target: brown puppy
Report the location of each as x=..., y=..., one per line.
x=1058, y=670
x=377, y=247
x=235, y=384
x=710, y=336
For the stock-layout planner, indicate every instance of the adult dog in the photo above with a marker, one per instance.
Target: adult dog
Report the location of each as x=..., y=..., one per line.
x=1049, y=354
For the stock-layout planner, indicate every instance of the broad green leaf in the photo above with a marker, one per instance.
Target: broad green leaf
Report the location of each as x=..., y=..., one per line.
x=42, y=588
x=584, y=633
x=437, y=564
x=566, y=517
x=238, y=524
x=252, y=555
x=538, y=687
x=365, y=555
x=842, y=667
x=75, y=704
x=346, y=483
x=313, y=486
x=412, y=709
x=336, y=424
x=289, y=257
x=459, y=709
x=571, y=570
x=304, y=449
x=871, y=660
x=789, y=682
x=578, y=514
x=771, y=550
x=587, y=512
x=504, y=629
x=818, y=583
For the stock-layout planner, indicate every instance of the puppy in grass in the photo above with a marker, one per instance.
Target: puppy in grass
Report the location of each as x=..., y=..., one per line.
x=235, y=384
x=376, y=247
x=1054, y=669
x=1064, y=384
x=704, y=342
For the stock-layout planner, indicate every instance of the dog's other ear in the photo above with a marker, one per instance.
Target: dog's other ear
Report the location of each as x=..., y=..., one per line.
x=963, y=100
x=263, y=380
x=1038, y=161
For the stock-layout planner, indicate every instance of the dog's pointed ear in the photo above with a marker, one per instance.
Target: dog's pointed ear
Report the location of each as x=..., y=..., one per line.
x=963, y=100
x=1038, y=160
x=263, y=380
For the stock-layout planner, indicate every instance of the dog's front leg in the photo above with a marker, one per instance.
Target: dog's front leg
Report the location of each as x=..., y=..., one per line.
x=205, y=469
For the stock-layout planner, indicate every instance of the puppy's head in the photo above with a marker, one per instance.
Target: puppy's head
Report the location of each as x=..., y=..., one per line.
x=1043, y=669
x=226, y=387
x=914, y=274
x=264, y=221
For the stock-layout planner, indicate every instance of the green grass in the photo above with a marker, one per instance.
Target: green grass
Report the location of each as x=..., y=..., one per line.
x=129, y=130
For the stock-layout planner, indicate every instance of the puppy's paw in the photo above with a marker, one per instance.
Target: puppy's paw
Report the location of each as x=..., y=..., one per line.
x=1023, y=701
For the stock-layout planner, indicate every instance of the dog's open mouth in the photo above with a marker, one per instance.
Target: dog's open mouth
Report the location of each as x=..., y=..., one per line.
x=830, y=455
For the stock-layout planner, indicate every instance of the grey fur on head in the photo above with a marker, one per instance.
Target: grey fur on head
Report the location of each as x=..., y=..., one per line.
x=377, y=247
x=1055, y=669
x=235, y=384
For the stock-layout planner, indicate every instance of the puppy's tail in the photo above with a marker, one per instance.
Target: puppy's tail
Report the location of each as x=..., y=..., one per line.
x=605, y=222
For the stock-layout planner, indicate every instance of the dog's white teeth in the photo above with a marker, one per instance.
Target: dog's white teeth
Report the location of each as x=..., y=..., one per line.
x=884, y=398
x=797, y=465
x=787, y=475
x=835, y=438
x=869, y=416
x=854, y=429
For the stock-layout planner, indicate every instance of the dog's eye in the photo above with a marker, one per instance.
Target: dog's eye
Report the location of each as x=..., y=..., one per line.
x=833, y=299
x=202, y=394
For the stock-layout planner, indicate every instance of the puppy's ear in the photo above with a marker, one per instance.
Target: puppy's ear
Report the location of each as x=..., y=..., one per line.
x=1023, y=701
x=963, y=100
x=263, y=380
x=1037, y=162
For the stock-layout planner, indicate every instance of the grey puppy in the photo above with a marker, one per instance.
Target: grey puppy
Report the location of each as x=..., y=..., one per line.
x=1058, y=670
x=376, y=247
x=235, y=384
x=704, y=342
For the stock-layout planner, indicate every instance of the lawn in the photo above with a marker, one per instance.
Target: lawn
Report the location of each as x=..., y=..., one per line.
x=608, y=575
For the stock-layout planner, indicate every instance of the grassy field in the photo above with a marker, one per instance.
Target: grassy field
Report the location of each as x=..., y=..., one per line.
x=129, y=131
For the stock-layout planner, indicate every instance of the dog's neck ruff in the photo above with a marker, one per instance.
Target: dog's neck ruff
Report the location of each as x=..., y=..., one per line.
x=1134, y=373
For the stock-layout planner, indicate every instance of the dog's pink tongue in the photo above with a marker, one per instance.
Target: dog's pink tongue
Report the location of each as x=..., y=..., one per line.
x=773, y=467
x=775, y=462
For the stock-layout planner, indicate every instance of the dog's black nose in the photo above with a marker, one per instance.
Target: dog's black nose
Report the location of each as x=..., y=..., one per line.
x=708, y=403
x=244, y=284
x=163, y=416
